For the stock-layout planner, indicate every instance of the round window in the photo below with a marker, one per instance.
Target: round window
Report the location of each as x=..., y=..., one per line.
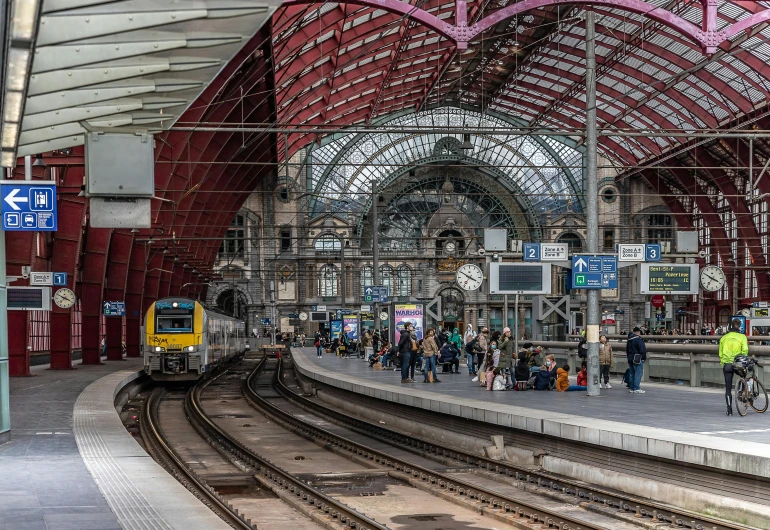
x=609, y=194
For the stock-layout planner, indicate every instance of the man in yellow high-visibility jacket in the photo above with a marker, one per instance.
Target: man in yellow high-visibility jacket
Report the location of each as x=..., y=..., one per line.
x=731, y=345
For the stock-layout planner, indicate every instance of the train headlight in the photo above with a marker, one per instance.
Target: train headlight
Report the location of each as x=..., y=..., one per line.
x=191, y=348
x=158, y=348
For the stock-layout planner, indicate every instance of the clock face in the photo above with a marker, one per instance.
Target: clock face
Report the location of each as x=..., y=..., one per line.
x=64, y=298
x=712, y=278
x=450, y=247
x=469, y=277
x=303, y=316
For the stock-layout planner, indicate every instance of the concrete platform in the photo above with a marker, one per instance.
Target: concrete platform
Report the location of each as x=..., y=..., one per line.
x=72, y=465
x=669, y=422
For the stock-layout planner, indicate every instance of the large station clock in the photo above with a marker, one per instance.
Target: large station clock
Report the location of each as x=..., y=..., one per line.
x=469, y=277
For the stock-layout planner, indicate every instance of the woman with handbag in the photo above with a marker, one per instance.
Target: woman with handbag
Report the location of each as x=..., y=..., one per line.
x=429, y=353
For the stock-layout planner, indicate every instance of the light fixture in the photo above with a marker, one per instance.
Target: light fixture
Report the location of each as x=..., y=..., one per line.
x=176, y=258
x=149, y=241
x=82, y=191
x=185, y=265
x=467, y=145
x=165, y=250
x=134, y=230
x=39, y=162
x=195, y=271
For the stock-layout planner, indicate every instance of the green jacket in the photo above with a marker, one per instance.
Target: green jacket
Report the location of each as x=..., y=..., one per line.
x=506, y=354
x=731, y=345
x=457, y=339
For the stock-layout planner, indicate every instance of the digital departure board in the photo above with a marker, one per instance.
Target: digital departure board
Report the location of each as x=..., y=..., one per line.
x=519, y=278
x=674, y=278
x=29, y=298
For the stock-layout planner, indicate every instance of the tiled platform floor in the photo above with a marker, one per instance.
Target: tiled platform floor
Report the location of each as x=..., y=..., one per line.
x=45, y=484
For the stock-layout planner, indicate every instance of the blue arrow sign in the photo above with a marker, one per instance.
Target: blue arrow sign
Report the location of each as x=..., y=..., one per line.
x=28, y=206
x=375, y=293
x=594, y=272
x=114, y=309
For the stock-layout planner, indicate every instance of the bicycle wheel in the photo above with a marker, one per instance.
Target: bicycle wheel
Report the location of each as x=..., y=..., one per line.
x=741, y=397
x=758, y=396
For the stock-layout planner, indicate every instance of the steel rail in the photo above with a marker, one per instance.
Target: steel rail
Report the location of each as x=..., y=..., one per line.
x=642, y=508
x=162, y=451
x=491, y=499
x=346, y=516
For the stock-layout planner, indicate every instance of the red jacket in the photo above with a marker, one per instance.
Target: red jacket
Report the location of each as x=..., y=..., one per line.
x=582, y=379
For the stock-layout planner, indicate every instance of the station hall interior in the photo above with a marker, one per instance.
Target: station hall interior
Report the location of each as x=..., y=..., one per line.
x=269, y=174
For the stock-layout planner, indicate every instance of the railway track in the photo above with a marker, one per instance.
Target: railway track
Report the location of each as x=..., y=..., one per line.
x=641, y=510
x=162, y=452
x=335, y=513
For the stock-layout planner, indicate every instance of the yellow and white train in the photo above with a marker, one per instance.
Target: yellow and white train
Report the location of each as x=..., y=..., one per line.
x=183, y=341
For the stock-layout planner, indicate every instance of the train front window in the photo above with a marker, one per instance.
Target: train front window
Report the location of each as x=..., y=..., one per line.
x=174, y=317
x=174, y=324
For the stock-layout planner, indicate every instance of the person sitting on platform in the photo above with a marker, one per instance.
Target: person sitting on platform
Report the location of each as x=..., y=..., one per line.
x=521, y=372
x=499, y=381
x=545, y=378
x=449, y=357
x=582, y=377
x=562, y=381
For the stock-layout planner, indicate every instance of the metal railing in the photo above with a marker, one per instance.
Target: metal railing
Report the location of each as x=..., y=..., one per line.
x=694, y=364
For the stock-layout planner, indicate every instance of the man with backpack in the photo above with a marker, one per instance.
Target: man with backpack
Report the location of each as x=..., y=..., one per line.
x=636, y=352
x=731, y=345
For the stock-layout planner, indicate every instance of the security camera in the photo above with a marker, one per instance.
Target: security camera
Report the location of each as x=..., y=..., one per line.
x=482, y=252
x=701, y=253
x=25, y=270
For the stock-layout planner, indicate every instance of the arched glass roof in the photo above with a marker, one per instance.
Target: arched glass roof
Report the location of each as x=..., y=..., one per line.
x=546, y=173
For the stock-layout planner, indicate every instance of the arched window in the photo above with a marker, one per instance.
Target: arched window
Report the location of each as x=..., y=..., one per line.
x=386, y=278
x=404, y=281
x=328, y=243
x=327, y=281
x=367, y=276
x=575, y=244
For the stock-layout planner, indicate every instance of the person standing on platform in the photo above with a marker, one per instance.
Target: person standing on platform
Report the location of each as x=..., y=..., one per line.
x=376, y=340
x=731, y=345
x=507, y=355
x=456, y=339
x=606, y=362
x=636, y=352
x=429, y=354
x=407, y=347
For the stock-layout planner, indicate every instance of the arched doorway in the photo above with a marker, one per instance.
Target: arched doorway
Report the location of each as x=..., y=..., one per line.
x=452, y=309
x=227, y=303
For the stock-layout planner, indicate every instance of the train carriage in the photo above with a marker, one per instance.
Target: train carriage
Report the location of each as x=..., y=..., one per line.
x=182, y=340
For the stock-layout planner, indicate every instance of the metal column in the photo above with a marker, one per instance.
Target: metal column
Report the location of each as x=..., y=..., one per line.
x=5, y=407
x=375, y=253
x=592, y=204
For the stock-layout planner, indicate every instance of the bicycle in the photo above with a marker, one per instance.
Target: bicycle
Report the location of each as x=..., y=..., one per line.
x=749, y=391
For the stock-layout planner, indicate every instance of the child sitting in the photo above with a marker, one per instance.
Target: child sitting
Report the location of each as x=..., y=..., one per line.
x=582, y=377
x=499, y=382
x=562, y=381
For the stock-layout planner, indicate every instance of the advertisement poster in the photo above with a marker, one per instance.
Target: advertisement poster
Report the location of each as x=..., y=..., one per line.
x=350, y=323
x=336, y=327
x=409, y=313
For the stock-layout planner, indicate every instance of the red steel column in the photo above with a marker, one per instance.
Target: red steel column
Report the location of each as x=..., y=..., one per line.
x=19, y=250
x=115, y=289
x=66, y=251
x=134, y=290
x=92, y=286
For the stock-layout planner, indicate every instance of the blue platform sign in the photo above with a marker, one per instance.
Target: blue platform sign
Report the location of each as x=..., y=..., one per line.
x=651, y=252
x=114, y=309
x=594, y=272
x=28, y=206
x=265, y=321
x=59, y=279
x=375, y=293
x=531, y=252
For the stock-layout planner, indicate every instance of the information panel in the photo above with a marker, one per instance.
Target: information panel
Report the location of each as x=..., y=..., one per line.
x=519, y=278
x=29, y=298
x=676, y=278
x=409, y=313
